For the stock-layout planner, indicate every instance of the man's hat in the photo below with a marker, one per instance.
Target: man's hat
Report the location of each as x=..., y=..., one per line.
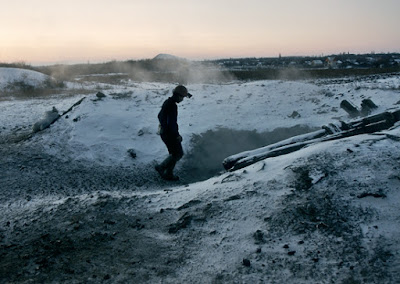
x=181, y=90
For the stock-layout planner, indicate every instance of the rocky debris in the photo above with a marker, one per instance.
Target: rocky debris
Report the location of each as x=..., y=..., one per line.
x=49, y=118
x=350, y=108
x=100, y=95
x=259, y=237
x=375, y=195
x=132, y=153
x=122, y=96
x=246, y=262
x=302, y=180
x=367, y=106
x=294, y=114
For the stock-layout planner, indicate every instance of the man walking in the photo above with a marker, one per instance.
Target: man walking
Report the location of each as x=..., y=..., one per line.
x=169, y=131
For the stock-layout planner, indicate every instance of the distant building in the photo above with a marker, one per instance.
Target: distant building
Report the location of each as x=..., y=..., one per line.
x=331, y=62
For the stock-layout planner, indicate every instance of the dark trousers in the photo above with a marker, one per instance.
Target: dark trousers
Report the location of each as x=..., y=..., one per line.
x=174, y=146
x=175, y=153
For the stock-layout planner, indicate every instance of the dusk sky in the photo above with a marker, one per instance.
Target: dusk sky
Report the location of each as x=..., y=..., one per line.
x=53, y=31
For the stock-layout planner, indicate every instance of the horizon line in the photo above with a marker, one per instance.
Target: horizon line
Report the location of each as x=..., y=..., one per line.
x=104, y=61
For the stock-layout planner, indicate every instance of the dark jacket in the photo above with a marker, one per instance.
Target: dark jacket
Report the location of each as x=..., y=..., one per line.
x=168, y=118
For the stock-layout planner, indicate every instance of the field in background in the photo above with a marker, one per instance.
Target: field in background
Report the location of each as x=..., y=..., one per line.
x=177, y=70
x=174, y=69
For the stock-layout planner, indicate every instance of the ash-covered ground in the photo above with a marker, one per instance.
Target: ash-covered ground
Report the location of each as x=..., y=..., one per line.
x=76, y=211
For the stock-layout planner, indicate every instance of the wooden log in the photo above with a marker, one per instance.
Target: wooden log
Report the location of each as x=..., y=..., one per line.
x=74, y=105
x=366, y=125
x=247, y=161
x=396, y=115
x=371, y=119
x=68, y=110
x=334, y=128
x=230, y=161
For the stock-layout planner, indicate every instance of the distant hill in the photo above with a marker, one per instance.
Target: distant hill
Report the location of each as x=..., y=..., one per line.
x=164, y=56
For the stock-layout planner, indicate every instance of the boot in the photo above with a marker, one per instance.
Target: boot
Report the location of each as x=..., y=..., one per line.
x=165, y=169
x=160, y=170
x=169, y=169
x=170, y=176
x=163, y=166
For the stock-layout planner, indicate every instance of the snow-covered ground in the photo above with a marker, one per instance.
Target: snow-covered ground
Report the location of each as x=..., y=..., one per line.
x=76, y=207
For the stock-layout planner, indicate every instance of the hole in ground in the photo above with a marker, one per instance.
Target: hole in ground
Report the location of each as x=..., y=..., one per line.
x=209, y=149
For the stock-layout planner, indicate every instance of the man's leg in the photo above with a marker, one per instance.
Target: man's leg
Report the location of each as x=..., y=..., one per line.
x=169, y=169
x=166, y=168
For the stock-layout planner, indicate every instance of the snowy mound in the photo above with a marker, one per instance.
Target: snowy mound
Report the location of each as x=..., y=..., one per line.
x=16, y=75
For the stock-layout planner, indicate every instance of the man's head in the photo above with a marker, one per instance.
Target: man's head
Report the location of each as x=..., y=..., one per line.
x=181, y=92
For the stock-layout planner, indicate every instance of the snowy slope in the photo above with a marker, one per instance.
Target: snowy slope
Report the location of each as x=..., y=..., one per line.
x=325, y=214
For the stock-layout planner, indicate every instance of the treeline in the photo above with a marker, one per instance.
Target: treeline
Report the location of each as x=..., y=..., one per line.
x=21, y=65
x=291, y=73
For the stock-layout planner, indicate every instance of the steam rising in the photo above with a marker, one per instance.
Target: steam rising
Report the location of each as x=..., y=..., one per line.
x=159, y=69
x=212, y=147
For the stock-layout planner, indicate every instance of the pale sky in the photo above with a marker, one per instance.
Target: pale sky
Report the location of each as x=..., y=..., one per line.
x=54, y=31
